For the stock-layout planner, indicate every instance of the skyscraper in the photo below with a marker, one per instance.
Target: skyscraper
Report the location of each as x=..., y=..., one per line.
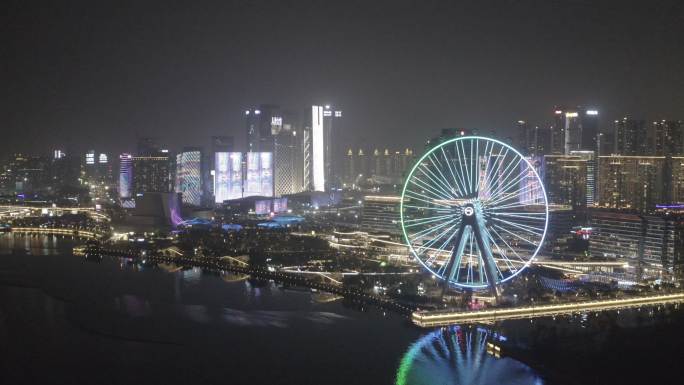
x=631, y=137
x=667, y=137
x=319, y=141
x=574, y=130
x=189, y=176
x=125, y=176
x=261, y=123
x=288, y=165
x=228, y=178
x=152, y=173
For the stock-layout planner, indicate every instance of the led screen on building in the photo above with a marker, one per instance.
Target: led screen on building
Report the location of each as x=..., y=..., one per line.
x=189, y=177
x=259, y=178
x=228, y=176
x=280, y=205
x=125, y=176
x=262, y=207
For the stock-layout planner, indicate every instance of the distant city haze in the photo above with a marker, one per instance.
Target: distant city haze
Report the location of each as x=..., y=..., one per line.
x=82, y=75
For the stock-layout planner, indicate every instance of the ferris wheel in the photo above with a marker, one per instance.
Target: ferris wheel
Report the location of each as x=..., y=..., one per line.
x=474, y=212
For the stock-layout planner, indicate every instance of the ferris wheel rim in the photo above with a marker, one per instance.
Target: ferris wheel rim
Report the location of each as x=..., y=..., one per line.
x=529, y=165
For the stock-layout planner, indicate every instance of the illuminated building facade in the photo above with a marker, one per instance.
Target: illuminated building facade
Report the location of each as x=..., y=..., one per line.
x=288, y=164
x=98, y=175
x=575, y=129
x=631, y=137
x=321, y=175
x=125, y=176
x=566, y=179
x=189, y=176
x=667, y=137
x=648, y=238
x=152, y=173
x=239, y=175
x=381, y=214
x=228, y=176
x=261, y=123
x=640, y=182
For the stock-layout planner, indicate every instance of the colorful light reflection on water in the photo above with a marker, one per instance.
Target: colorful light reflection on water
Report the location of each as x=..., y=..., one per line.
x=459, y=356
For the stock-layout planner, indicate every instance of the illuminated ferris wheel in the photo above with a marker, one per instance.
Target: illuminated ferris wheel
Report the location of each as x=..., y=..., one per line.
x=474, y=212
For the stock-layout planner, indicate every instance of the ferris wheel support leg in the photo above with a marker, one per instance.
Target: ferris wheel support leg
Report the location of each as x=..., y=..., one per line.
x=453, y=265
x=487, y=256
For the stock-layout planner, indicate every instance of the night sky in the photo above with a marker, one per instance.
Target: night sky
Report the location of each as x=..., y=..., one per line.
x=79, y=75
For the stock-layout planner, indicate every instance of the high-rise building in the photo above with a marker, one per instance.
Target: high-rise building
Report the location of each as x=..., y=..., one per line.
x=258, y=174
x=241, y=175
x=319, y=149
x=189, y=176
x=381, y=214
x=228, y=178
x=288, y=164
x=98, y=175
x=667, y=138
x=531, y=140
x=152, y=173
x=631, y=137
x=125, y=176
x=557, y=131
x=218, y=144
x=574, y=130
x=261, y=126
x=640, y=238
x=148, y=146
x=568, y=179
x=639, y=182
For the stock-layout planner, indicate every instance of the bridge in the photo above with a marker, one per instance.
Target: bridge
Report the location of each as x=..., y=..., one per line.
x=87, y=234
x=442, y=318
x=224, y=264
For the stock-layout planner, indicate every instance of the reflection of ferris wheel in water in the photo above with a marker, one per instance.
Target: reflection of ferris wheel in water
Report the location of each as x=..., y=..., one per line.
x=474, y=212
x=460, y=357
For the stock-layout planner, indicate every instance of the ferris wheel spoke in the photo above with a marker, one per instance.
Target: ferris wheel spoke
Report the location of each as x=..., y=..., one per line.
x=460, y=148
x=520, y=215
x=508, y=245
x=514, y=195
x=516, y=235
x=423, y=233
x=482, y=186
x=445, y=181
x=453, y=175
x=520, y=226
x=443, y=248
x=437, y=191
x=476, y=172
x=439, y=209
x=505, y=191
x=434, y=240
x=498, y=160
x=471, y=274
x=442, y=181
x=512, y=205
x=497, y=171
x=423, y=198
x=491, y=240
x=463, y=171
x=422, y=221
x=507, y=181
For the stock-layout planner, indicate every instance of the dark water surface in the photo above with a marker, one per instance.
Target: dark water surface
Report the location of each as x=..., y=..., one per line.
x=67, y=320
